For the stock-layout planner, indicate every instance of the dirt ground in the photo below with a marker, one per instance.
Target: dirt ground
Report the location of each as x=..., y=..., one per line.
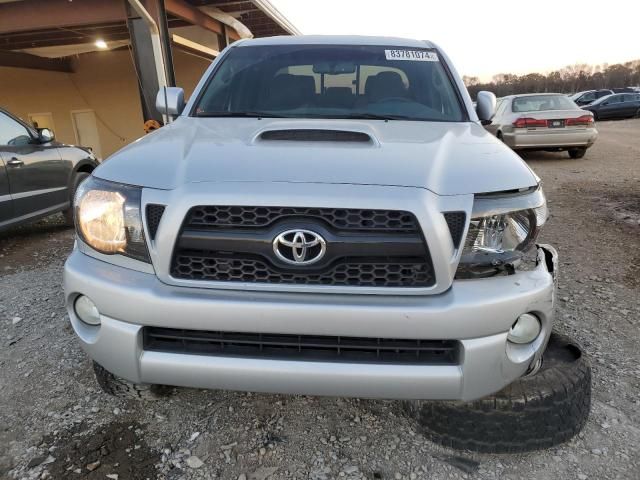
x=55, y=423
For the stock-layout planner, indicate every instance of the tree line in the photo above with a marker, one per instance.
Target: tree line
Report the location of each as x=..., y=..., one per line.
x=570, y=79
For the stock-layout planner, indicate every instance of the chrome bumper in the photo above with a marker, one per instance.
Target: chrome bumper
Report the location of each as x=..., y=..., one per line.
x=551, y=138
x=478, y=313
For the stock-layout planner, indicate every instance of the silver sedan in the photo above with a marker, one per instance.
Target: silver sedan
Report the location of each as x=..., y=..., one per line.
x=548, y=121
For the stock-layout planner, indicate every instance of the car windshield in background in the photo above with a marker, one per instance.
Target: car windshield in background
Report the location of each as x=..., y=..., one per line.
x=541, y=103
x=319, y=81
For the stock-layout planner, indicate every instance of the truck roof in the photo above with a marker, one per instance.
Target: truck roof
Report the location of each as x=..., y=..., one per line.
x=337, y=40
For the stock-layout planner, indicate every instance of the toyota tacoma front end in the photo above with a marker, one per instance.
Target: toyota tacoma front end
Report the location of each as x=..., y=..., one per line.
x=325, y=216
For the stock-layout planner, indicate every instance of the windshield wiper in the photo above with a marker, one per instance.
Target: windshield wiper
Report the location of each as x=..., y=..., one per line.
x=240, y=114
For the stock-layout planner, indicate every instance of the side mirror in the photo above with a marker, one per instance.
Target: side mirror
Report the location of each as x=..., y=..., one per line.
x=170, y=101
x=485, y=107
x=45, y=135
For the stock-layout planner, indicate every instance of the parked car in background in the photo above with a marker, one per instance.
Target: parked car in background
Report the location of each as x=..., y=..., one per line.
x=619, y=105
x=38, y=176
x=548, y=121
x=588, y=96
x=625, y=90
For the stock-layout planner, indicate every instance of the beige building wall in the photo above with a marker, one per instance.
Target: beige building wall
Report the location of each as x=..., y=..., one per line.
x=104, y=82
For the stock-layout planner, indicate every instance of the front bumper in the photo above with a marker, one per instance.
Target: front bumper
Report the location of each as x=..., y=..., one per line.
x=478, y=313
x=550, y=138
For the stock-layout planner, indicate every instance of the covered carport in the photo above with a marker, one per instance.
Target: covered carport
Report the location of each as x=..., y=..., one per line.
x=90, y=69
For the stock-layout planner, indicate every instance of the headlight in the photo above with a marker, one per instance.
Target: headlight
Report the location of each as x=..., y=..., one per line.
x=502, y=232
x=108, y=218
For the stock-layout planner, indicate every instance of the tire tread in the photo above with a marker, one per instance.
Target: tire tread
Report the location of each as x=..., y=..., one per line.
x=532, y=413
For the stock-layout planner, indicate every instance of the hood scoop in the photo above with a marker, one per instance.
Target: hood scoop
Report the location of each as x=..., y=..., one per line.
x=316, y=135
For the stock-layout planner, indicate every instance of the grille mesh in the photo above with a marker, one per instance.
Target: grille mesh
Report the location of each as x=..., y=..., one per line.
x=356, y=272
x=219, y=261
x=154, y=214
x=456, y=222
x=338, y=218
x=302, y=347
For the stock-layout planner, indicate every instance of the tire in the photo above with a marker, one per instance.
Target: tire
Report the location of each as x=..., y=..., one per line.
x=119, y=387
x=77, y=180
x=577, y=152
x=534, y=412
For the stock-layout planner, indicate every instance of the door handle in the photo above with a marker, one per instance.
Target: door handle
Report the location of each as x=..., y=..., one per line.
x=15, y=162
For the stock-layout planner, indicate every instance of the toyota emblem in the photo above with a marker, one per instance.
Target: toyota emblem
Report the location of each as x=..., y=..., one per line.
x=299, y=247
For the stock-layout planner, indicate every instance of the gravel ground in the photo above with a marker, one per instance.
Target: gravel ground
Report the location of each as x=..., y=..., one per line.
x=55, y=423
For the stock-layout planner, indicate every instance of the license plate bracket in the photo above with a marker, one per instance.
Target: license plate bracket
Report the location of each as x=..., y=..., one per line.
x=555, y=123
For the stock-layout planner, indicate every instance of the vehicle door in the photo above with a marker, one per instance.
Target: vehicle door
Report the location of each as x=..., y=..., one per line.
x=5, y=197
x=629, y=105
x=38, y=178
x=636, y=104
x=610, y=107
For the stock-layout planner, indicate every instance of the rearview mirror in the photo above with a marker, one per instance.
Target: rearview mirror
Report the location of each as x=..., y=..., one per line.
x=170, y=101
x=45, y=135
x=339, y=68
x=485, y=107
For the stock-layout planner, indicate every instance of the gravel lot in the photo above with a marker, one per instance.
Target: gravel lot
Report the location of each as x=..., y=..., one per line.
x=55, y=423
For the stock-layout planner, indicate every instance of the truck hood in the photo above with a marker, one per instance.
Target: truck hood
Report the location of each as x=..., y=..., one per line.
x=445, y=158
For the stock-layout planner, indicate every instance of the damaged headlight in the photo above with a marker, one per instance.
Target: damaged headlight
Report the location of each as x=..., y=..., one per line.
x=502, y=233
x=108, y=218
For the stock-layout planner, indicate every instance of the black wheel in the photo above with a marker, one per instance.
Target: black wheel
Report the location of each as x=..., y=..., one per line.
x=500, y=137
x=77, y=180
x=637, y=115
x=119, y=387
x=534, y=412
x=577, y=152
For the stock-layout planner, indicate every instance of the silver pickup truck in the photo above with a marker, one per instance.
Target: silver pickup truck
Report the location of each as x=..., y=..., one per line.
x=328, y=216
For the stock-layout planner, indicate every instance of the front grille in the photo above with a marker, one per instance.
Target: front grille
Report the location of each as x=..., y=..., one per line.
x=338, y=218
x=302, y=347
x=364, y=248
x=357, y=273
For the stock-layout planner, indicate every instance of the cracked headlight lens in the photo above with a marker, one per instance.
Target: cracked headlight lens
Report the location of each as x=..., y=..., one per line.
x=108, y=218
x=502, y=231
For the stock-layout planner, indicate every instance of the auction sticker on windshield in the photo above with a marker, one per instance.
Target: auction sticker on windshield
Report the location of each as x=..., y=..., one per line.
x=411, y=55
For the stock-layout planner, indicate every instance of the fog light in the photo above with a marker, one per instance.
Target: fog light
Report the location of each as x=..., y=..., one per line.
x=86, y=310
x=525, y=329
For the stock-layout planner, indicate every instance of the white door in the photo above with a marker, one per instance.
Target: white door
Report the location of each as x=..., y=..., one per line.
x=42, y=120
x=86, y=128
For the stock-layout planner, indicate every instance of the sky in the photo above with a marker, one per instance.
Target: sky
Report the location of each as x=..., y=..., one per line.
x=484, y=38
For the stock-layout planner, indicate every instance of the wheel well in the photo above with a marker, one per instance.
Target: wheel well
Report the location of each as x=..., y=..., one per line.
x=86, y=169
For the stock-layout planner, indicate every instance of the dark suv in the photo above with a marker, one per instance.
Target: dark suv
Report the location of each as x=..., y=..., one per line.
x=38, y=176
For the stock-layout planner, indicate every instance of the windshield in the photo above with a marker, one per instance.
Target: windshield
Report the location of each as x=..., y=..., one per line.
x=539, y=103
x=319, y=81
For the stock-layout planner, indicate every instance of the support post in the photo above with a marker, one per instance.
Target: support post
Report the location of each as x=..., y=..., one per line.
x=165, y=39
